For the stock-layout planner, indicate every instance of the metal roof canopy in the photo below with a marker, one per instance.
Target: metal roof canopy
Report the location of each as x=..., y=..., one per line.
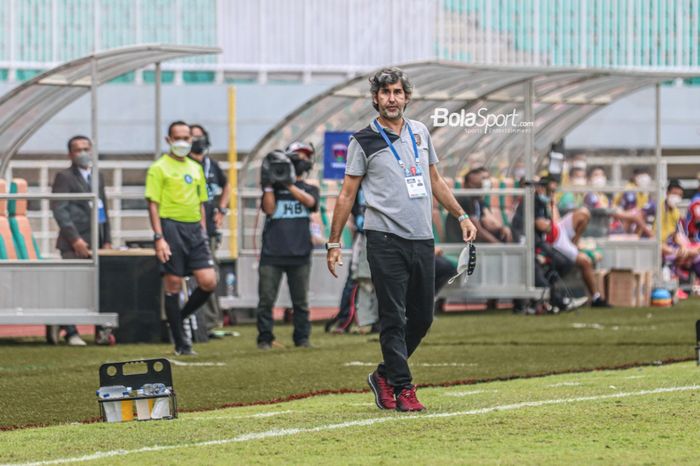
x=26, y=108
x=563, y=98
x=555, y=100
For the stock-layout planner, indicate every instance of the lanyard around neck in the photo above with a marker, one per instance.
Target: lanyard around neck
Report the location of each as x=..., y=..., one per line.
x=393, y=149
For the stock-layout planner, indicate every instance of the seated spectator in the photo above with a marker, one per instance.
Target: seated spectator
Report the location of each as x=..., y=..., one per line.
x=550, y=265
x=678, y=250
x=489, y=227
x=693, y=215
x=597, y=200
x=561, y=234
x=631, y=208
x=569, y=201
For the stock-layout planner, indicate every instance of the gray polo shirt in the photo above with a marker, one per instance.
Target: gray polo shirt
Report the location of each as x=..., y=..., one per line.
x=389, y=209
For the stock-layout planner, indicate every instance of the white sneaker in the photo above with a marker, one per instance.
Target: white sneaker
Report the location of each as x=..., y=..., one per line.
x=575, y=303
x=75, y=340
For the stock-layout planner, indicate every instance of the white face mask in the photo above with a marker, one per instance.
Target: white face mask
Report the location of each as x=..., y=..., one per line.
x=578, y=181
x=643, y=180
x=486, y=184
x=180, y=148
x=579, y=164
x=673, y=200
x=598, y=181
x=519, y=173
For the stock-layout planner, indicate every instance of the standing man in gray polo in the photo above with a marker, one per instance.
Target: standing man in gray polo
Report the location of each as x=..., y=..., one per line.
x=394, y=161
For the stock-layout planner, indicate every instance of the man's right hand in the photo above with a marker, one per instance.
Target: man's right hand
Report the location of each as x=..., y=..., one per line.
x=163, y=251
x=334, y=257
x=81, y=249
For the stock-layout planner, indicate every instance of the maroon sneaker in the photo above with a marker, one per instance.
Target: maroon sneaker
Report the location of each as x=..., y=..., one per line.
x=407, y=401
x=383, y=392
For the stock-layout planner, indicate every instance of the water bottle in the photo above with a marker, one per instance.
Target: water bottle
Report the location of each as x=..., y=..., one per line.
x=113, y=392
x=230, y=284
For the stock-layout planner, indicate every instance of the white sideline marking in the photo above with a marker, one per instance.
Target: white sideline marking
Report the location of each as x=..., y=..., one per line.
x=565, y=384
x=469, y=393
x=593, y=326
x=250, y=416
x=359, y=423
x=418, y=364
x=175, y=362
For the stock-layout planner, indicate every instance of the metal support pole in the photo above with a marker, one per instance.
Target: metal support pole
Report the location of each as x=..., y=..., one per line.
x=529, y=199
x=660, y=182
x=233, y=174
x=95, y=228
x=158, y=135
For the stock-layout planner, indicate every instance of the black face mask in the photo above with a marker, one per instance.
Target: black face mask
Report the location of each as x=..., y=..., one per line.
x=301, y=166
x=199, y=145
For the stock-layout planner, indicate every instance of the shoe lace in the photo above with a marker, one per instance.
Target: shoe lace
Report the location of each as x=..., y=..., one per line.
x=409, y=394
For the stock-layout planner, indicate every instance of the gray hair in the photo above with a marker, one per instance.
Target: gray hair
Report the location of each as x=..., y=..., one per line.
x=387, y=76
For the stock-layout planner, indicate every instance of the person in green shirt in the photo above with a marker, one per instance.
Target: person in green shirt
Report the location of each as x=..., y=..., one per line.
x=176, y=191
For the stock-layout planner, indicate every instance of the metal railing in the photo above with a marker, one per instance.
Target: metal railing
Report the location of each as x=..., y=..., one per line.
x=127, y=222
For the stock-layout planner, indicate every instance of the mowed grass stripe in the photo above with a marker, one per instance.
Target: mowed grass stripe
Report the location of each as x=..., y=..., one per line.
x=52, y=385
x=276, y=433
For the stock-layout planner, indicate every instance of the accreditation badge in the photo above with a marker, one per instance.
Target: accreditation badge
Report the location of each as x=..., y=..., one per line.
x=416, y=187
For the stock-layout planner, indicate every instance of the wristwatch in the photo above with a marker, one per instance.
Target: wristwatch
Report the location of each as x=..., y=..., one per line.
x=462, y=217
x=330, y=246
x=157, y=236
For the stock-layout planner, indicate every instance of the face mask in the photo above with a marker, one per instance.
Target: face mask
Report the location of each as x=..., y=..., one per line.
x=598, y=181
x=578, y=181
x=673, y=200
x=579, y=164
x=199, y=145
x=83, y=159
x=486, y=184
x=180, y=148
x=643, y=180
x=301, y=166
x=519, y=173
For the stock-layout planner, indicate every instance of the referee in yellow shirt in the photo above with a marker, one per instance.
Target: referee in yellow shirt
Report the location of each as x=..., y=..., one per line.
x=176, y=191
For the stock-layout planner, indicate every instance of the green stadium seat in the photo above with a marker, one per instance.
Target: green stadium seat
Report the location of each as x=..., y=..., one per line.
x=7, y=246
x=25, y=243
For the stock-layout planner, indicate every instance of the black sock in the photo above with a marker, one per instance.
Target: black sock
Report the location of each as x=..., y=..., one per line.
x=197, y=298
x=172, y=312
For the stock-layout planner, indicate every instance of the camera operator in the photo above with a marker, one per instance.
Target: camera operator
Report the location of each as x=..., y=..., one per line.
x=286, y=244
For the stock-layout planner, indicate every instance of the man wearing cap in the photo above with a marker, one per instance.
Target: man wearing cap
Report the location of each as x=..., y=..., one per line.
x=394, y=161
x=286, y=246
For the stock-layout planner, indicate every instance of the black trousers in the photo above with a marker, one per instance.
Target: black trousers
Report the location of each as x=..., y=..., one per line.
x=268, y=288
x=403, y=274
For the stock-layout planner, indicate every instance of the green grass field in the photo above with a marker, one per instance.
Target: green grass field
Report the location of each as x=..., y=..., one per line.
x=635, y=416
x=616, y=416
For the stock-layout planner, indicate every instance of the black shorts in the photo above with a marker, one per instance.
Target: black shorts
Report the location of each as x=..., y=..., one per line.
x=189, y=247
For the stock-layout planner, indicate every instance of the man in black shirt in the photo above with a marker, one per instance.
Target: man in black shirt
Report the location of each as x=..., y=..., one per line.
x=286, y=247
x=215, y=209
x=488, y=231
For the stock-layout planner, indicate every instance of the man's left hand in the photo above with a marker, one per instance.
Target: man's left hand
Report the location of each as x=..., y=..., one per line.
x=468, y=230
x=218, y=219
x=107, y=246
